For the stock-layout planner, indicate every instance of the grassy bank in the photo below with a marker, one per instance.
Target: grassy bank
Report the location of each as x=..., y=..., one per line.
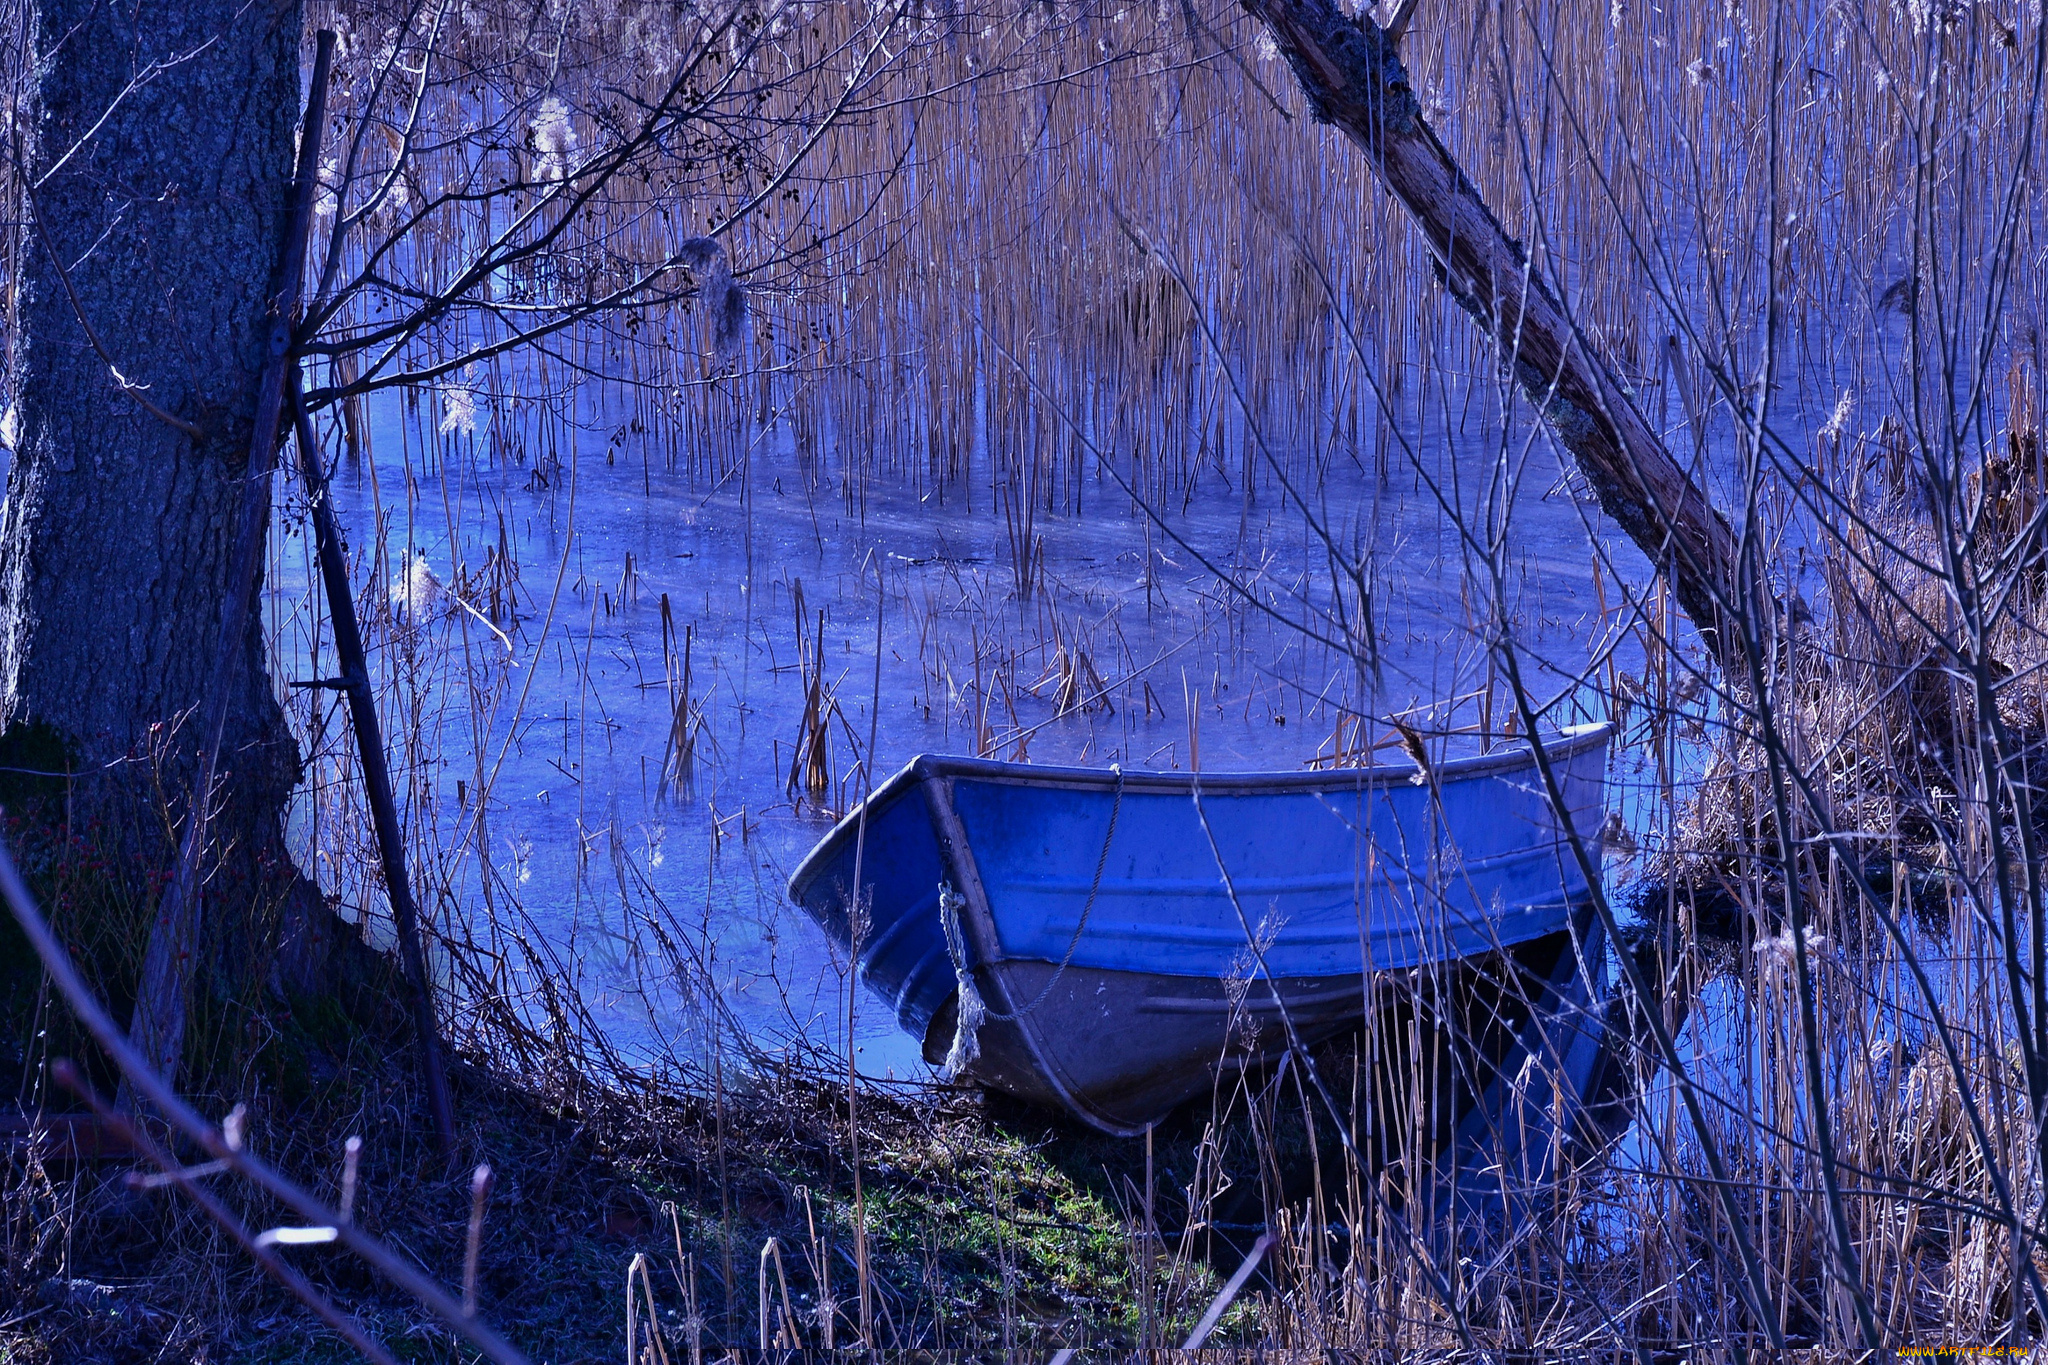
x=986, y=1228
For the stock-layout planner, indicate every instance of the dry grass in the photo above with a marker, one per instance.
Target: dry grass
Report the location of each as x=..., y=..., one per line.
x=947, y=308
x=977, y=1237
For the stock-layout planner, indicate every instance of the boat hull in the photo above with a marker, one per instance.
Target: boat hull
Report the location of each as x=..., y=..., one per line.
x=1130, y=1047
x=1132, y=939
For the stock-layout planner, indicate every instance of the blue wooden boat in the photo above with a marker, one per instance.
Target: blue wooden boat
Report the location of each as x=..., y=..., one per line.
x=1112, y=943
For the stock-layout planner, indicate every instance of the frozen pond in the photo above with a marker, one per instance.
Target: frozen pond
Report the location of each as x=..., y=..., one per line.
x=982, y=472
x=538, y=713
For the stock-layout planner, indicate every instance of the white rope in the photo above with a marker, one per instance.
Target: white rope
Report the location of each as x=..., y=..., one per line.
x=966, y=1049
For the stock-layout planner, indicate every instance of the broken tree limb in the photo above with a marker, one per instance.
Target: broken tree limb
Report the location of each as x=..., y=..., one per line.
x=1353, y=78
x=158, y=1024
x=362, y=709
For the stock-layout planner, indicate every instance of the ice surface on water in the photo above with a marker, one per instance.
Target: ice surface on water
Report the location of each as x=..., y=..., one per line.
x=575, y=736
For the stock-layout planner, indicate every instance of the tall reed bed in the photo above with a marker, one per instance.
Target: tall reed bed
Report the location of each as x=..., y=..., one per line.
x=1062, y=267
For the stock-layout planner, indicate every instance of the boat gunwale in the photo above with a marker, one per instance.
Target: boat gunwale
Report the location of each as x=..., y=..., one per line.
x=1567, y=744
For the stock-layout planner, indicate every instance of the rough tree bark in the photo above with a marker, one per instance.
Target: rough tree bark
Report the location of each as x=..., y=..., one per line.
x=1352, y=75
x=160, y=163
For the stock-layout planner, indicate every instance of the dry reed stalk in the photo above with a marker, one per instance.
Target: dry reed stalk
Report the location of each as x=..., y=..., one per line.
x=1168, y=129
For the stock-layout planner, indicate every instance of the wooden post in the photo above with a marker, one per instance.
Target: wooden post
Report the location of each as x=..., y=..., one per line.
x=1352, y=75
x=362, y=709
x=158, y=1025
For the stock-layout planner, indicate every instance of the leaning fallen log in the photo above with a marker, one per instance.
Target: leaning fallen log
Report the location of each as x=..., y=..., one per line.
x=1352, y=75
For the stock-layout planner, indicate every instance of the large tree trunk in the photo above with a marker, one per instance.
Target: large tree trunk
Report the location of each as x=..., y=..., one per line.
x=162, y=164
x=1353, y=77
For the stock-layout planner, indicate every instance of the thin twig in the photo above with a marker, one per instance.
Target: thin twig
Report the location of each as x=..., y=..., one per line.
x=64, y=976
x=187, y=1180
x=136, y=391
x=479, y=1194
x=1221, y=1303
